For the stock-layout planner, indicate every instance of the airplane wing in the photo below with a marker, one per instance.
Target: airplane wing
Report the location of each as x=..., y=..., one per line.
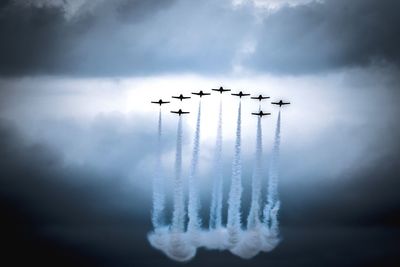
x=154, y=102
x=287, y=103
x=185, y=97
x=164, y=102
x=255, y=113
x=218, y=89
x=195, y=93
x=176, y=112
x=235, y=94
x=206, y=94
x=185, y=112
x=274, y=103
x=176, y=97
x=245, y=94
x=254, y=97
x=265, y=97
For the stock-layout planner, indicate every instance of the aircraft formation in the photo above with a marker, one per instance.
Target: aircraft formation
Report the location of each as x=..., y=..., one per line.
x=221, y=90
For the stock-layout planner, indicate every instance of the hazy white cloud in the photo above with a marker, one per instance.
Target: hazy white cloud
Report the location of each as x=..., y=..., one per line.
x=332, y=121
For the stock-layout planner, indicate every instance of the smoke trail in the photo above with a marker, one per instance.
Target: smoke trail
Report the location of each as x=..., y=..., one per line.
x=251, y=240
x=272, y=206
x=253, y=219
x=234, y=220
x=179, y=248
x=173, y=241
x=178, y=216
x=216, y=199
x=194, y=223
x=158, y=217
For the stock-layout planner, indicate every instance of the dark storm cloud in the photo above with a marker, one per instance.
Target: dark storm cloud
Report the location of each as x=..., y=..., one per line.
x=35, y=179
x=329, y=35
x=149, y=37
x=367, y=196
x=136, y=10
x=44, y=204
x=41, y=39
x=27, y=35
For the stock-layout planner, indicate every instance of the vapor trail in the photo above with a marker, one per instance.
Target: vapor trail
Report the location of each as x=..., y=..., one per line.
x=251, y=241
x=253, y=219
x=272, y=206
x=216, y=198
x=173, y=242
x=178, y=216
x=234, y=216
x=194, y=223
x=158, y=216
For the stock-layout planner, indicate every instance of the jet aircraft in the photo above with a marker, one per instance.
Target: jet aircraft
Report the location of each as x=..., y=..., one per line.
x=221, y=90
x=260, y=97
x=280, y=103
x=261, y=113
x=201, y=93
x=181, y=97
x=160, y=102
x=180, y=112
x=240, y=94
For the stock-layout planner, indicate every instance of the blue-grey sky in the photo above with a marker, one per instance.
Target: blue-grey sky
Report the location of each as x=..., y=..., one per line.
x=77, y=146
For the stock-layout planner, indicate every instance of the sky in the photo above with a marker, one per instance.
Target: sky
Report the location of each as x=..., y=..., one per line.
x=78, y=132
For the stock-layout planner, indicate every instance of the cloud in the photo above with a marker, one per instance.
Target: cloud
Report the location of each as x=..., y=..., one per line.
x=51, y=191
x=329, y=35
x=49, y=208
x=274, y=5
x=126, y=38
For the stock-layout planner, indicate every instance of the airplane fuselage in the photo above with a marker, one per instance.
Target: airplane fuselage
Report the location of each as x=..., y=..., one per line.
x=280, y=103
x=180, y=112
x=160, y=102
x=201, y=93
x=240, y=94
x=221, y=90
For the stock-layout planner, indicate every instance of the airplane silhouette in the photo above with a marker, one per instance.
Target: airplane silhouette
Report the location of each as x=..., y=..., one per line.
x=160, y=102
x=221, y=90
x=260, y=97
x=201, y=93
x=181, y=97
x=280, y=103
x=261, y=113
x=180, y=112
x=240, y=94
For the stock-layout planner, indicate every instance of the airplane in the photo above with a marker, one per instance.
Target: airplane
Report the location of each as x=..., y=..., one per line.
x=181, y=97
x=280, y=103
x=261, y=113
x=240, y=94
x=260, y=97
x=180, y=112
x=221, y=90
x=201, y=93
x=160, y=102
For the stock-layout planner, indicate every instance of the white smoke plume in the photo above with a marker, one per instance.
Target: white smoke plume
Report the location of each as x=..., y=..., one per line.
x=173, y=241
x=158, y=216
x=216, y=198
x=271, y=209
x=234, y=224
x=194, y=223
x=262, y=230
